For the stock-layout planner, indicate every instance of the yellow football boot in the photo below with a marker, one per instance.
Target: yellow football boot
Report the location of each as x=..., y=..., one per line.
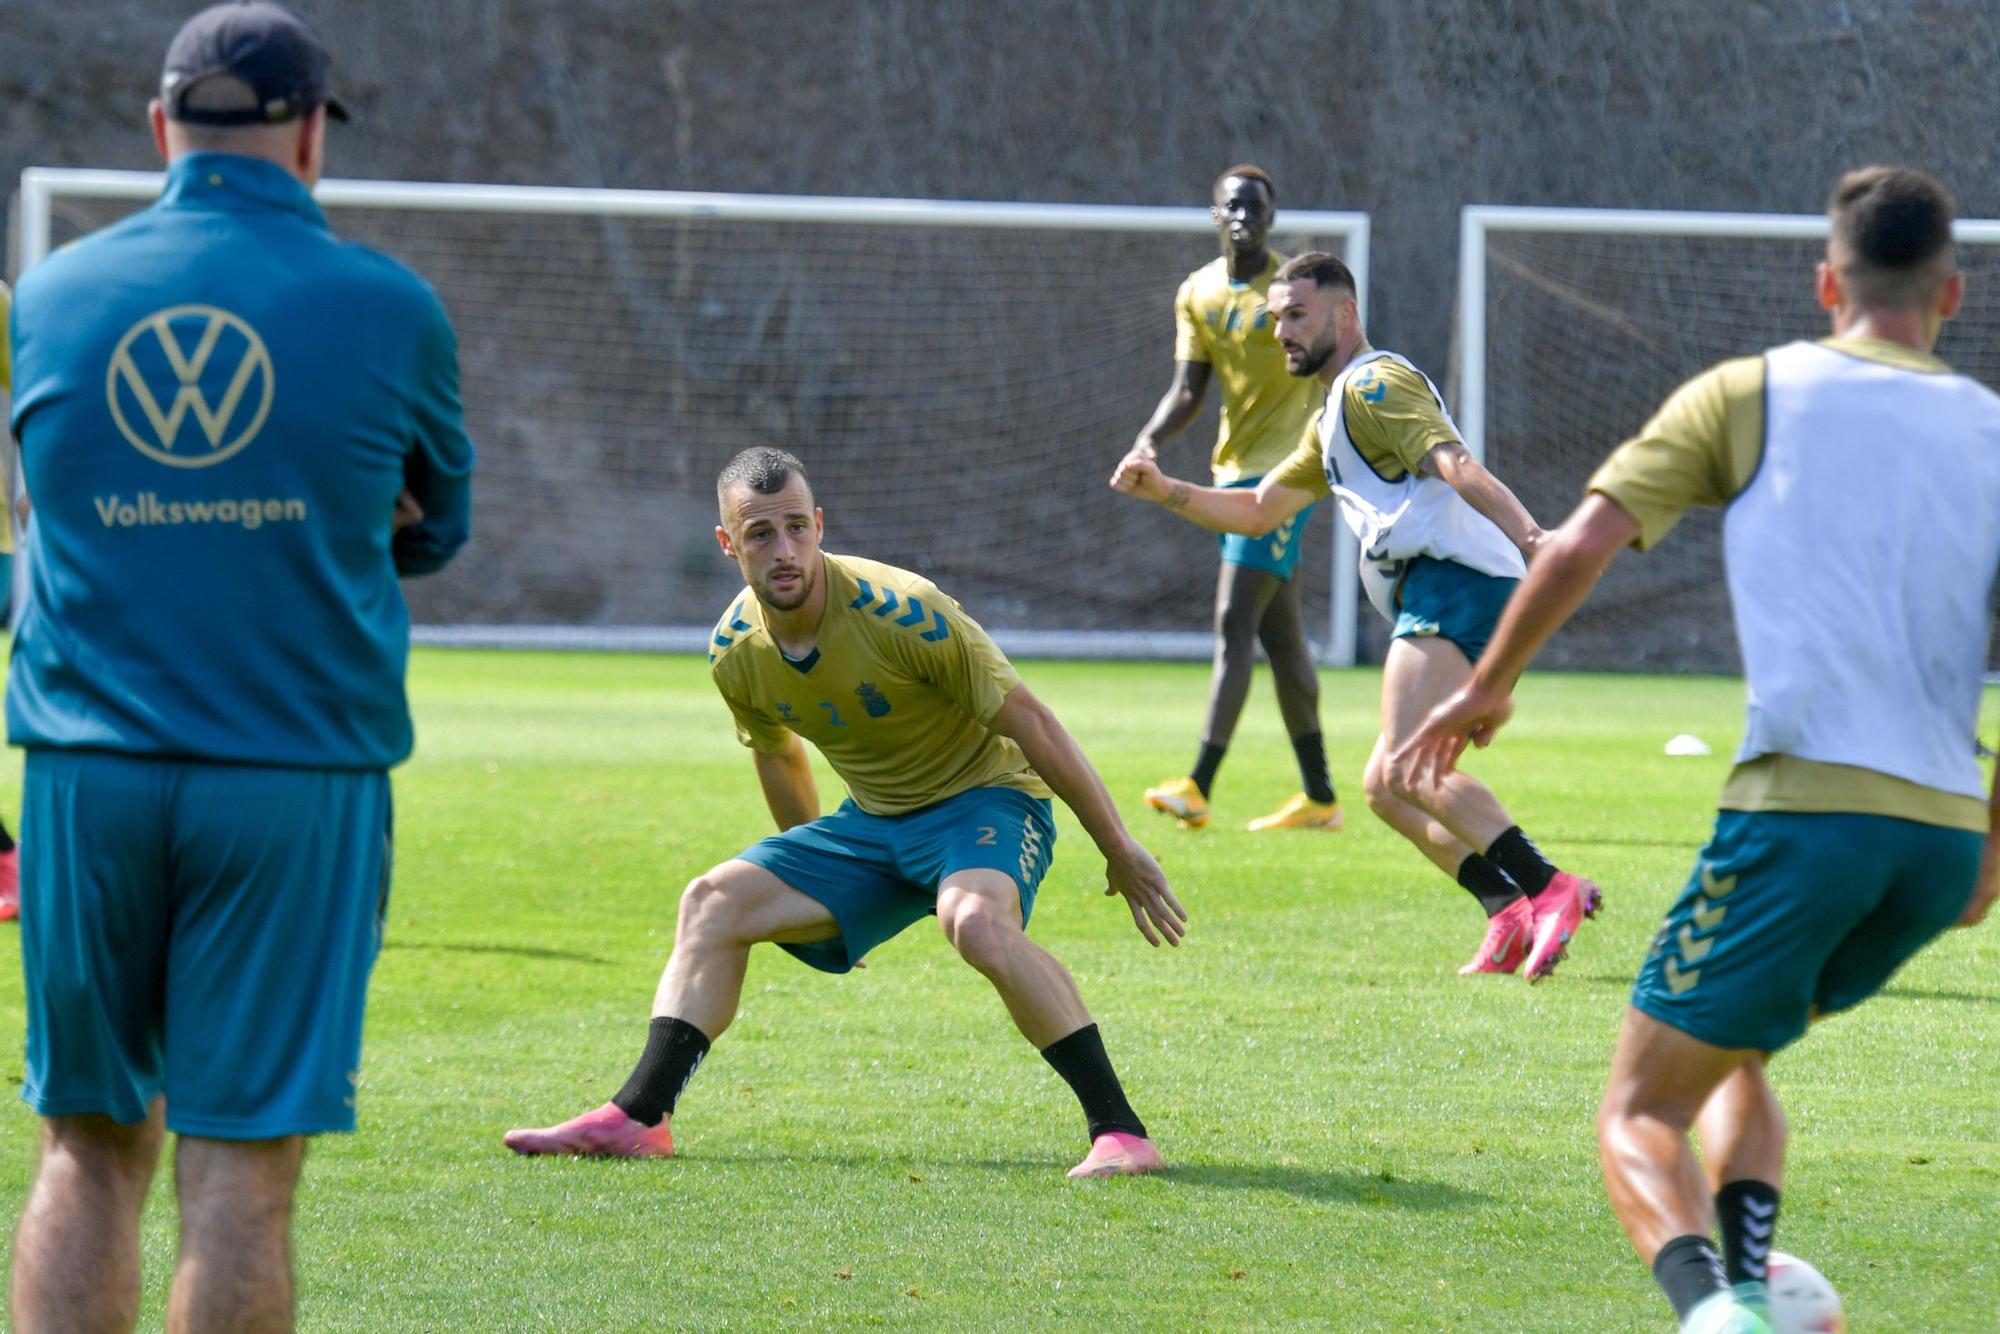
x=1180, y=798
x=1301, y=812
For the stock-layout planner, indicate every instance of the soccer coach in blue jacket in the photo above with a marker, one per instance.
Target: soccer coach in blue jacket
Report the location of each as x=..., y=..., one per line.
x=237, y=431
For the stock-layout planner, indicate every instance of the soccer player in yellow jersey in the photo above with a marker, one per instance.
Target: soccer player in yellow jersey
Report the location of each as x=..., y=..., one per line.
x=949, y=763
x=1862, y=480
x=10, y=856
x=1443, y=543
x=1222, y=331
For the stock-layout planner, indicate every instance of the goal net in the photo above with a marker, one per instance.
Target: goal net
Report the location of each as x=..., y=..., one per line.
x=1575, y=325
x=960, y=379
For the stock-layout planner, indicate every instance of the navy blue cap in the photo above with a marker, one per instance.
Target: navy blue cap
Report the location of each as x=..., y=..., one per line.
x=271, y=57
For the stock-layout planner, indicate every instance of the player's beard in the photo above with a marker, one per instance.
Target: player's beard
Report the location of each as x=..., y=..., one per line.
x=790, y=601
x=1313, y=358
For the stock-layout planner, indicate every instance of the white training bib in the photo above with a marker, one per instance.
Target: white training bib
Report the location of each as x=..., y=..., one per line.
x=1412, y=515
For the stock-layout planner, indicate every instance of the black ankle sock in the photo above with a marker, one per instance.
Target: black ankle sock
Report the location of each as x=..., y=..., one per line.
x=1206, y=765
x=1748, y=1211
x=1688, y=1270
x=1493, y=887
x=1080, y=1060
x=1311, y=750
x=674, y=1047
x=1516, y=854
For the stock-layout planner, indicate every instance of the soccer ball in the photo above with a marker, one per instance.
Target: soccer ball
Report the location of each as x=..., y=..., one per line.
x=1802, y=1301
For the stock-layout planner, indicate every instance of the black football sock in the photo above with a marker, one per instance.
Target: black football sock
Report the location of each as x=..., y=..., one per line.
x=1493, y=887
x=1516, y=854
x=6, y=839
x=1689, y=1271
x=1311, y=750
x=1748, y=1211
x=674, y=1047
x=1080, y=1060
x=1205, y=767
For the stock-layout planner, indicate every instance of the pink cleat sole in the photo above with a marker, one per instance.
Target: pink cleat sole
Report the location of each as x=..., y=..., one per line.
x=1117, y=1154
x=1559, y=911
x=603, y=1132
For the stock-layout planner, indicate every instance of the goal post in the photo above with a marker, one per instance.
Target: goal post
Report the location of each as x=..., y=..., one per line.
x=960, y=375
x=1574, y=325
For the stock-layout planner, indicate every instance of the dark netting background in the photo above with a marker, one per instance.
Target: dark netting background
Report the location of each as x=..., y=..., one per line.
x=1588, y=335
x=959, y=395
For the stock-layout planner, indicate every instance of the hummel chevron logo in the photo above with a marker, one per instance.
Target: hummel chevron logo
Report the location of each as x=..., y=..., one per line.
x=913, y=615
x=1693, y=949
x=1757, y=1210
x=1761, y=1232
x=1708, y=916
x=1714, y=888
x=1680, y=982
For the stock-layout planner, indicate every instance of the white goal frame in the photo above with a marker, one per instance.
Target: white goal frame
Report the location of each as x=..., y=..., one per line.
x=1476, y=221
x=42, y=186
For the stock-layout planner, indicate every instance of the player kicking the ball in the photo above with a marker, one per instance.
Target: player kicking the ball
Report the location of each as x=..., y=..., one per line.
x=1444, y=543
x=1855, y=826
x=949, y=763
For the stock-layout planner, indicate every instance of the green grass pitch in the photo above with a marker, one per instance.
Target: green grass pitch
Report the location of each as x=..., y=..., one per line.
x=1358, y=1138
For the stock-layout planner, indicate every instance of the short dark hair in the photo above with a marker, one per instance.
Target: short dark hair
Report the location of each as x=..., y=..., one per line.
x=763, y=468
x=1894, y=227
x=1316, y=266
x=1248, y=171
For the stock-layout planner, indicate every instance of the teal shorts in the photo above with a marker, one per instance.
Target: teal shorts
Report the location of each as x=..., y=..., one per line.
x=205, y=931
x=1789, y=916
x=1441, y=599
x=878, y=874
x=1276, y=552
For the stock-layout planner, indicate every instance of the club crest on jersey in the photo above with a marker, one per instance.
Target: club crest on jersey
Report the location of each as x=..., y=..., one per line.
x=204, y=362
x=872, y=699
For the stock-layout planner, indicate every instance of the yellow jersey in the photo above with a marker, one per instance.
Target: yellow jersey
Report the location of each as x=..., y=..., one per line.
x=1226, y=325
x=1702, y=448
x=1392, y=419
x=896, y=693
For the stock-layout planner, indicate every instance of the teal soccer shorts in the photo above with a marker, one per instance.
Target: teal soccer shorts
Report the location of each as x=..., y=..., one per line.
x=1276, y=552
x=878, y=874
x=1788, y=916
x=205, y=931
x=1441, y=599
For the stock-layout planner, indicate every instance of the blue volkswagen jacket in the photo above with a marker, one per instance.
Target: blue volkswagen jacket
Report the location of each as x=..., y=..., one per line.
x=218, y=403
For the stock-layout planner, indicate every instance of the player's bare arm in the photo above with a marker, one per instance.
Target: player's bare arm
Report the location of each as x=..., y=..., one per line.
x=1486, y=493
x=1219, y=509
x=1571, y=560
x=1177, y=407
x=1128, y=868
x=787, y=780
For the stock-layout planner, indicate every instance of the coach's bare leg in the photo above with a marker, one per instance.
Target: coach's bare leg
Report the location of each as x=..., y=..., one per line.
x=1660, y=1079
x=980, y=911
x=235, y=1270
x=1417, y=675
x=722, y=914
x=76, y=1252
x=1742, y=1130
